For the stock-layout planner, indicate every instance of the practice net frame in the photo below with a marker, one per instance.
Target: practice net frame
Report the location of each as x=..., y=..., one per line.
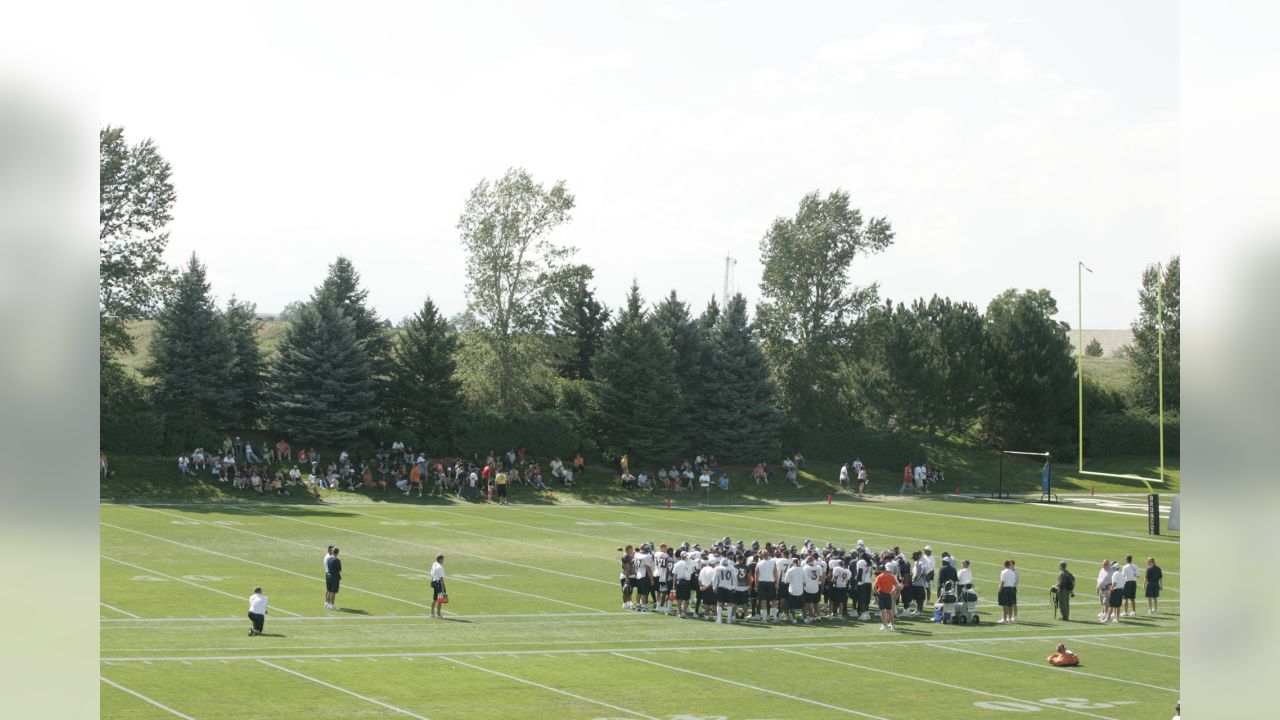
x=1045, y=488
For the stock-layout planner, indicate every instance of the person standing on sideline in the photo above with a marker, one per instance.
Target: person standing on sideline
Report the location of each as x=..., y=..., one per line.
x=844, y=477
x=1154, y=583
x=257, y=611
x=931, y=568
x=886, y=585
x=332, y=579
x=908, y=480
x=704, y=487
x=437, y=587
x=1115, y=593
x=1008, y=594
x=683, y=573
x=1063, y=590
x=1129, y=573
x=862, y=480
x=1103, y=588
x=500, y=481
x=1017, y=578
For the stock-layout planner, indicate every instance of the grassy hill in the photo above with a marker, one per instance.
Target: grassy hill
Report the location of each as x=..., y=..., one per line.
x=269, y=334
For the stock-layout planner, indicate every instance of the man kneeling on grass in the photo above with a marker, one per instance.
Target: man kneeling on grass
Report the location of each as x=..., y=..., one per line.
x=257, y=611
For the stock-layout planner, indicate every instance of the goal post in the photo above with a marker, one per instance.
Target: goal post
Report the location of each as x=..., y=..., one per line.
x=1080, y=266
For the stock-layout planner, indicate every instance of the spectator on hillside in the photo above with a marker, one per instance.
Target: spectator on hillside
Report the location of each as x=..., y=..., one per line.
x=238, y=446
x=557, y=468
x=102, y=465
x=579, y=465
x=249, y=455
x=568, y=476
x=255, y=480
x=402, y=482
x=295, y=475
x=704, y=487
x=908, y=479
x=277, y=485
x=793, y=477
x=798, y=460
x=724, y=482
x=198, y=460
x=844, y=476
x=184, y=467
x=626, y=479
x=283, y=451
x=758, y=474
x=862, y=480
x=226, y=444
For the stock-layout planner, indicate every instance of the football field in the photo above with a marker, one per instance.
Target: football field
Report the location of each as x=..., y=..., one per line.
x=535, y=627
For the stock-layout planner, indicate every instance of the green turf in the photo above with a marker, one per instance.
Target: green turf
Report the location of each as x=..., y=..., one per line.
x=535, y=628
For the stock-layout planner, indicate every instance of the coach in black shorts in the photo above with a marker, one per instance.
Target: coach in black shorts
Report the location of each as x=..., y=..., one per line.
x=332, y=578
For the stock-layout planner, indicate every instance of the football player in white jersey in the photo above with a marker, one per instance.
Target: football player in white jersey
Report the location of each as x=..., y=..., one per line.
x=839, y=594
x=642, y=565
x=682, y=572
x=767, y=577
x=662, y=578
x=724, y=582
x=706, y=588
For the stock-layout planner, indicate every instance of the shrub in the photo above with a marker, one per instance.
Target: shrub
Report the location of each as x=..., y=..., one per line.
x=543, y=433
x=1133, y=432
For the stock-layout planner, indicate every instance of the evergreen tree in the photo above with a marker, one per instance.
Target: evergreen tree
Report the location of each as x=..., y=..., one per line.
x=190, y=361
x=1031, y=401
x=247, y=373
x=1093, y=349
x=681, y=332
x=425, y=393
x=321, y=387
x=342, y=285
x=579, y=326
x=1144, y=386
x=738, y=416
x=639, y=398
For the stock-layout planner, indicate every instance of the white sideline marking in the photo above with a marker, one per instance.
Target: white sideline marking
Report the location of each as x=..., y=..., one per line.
x=354, y=618
x=318, y=681
x=549, y=688
x=942, y=684
x=428, y=547
x=752, y=687
x=122, y=612
x=144, y=698
x=254, y=562
x=188, y=582
x=1050, y=667
x=1129, y=649
x=663, y=648
x=380, y=562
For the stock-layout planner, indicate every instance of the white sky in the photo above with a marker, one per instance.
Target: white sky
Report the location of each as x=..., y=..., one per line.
x=1003, y=141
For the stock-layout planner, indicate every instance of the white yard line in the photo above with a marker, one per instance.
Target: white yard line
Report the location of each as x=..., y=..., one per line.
x=435, y=548
x=1050, y=667
x=549, y=688
x=392, y=564
x=259, y=564
x=917, y=678
x=122, y=612
x=757, y=688
x=331, y=686
x=1129, y=649
x=188, y=582
x=658, y=648
x=146, y=699
x=1054, y=528
x=550, y=616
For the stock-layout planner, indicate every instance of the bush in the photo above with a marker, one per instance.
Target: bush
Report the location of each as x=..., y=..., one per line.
x=1130, y=433
x=544, y=433
x=878, y=449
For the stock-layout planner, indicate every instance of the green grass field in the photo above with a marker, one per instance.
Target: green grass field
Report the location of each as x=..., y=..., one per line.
x=535, y=629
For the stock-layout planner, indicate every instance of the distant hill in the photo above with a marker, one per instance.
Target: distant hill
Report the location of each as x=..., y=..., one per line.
x=269, y=335
x=1112, y=340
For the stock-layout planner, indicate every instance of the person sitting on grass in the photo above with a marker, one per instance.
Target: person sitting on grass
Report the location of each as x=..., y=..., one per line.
x=568, y=477
x=255, y=480
x=643, y=482
x=1064, y=657
x=277, y=485
x=579, y=465
x=724, y=481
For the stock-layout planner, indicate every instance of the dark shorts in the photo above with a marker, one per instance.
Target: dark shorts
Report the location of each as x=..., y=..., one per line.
x=794, y=602
x=811, y=598
x=741, y=596
x=917, y=593
x=863, y=594
x=1131, y=590
x=502, y=490
x=1116, y=599
x=839, y=594
x=642, y=586
x=437, y=588
x=682, y=589
x=664, y=587
x=766, y=591
x=1152, y=590
x=884, y=600
x=625, y=583
x=724, y=596
x=1007, y=597
x=331, y=583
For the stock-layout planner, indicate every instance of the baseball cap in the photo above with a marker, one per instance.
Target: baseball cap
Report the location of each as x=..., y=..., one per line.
x=928, y=549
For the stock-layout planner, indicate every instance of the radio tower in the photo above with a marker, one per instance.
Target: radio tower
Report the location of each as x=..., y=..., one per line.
x=729, y=263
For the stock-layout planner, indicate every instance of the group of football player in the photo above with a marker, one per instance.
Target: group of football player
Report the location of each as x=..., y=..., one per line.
x=730, y=581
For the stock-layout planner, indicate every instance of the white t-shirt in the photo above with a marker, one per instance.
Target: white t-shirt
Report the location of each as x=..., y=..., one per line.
x=766, y=570
x=704, y=480
x=683, y=570
x=795, y=580
x=1008, y=578
x=862, y=474
x=929, y=565
x=1129, y=572
x=1104, y=579
x=964, y=576
x=437, y=571
x=844, y=473
x=706, y=575
x=1117, y=579
x=258, y=603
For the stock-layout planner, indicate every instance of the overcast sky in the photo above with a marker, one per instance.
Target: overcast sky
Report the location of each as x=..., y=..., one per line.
x=1003, y=141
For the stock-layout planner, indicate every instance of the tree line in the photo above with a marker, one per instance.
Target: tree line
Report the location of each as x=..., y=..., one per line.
x=652, y=378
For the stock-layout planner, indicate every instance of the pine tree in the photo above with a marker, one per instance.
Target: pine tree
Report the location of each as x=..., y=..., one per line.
x=579, y=327
x=639, y=398
x=681, y=332
x=190, y=361
x=738, y=414
x=321, y=388
x=424, y=392
x=247, y=373
x=342, y=285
